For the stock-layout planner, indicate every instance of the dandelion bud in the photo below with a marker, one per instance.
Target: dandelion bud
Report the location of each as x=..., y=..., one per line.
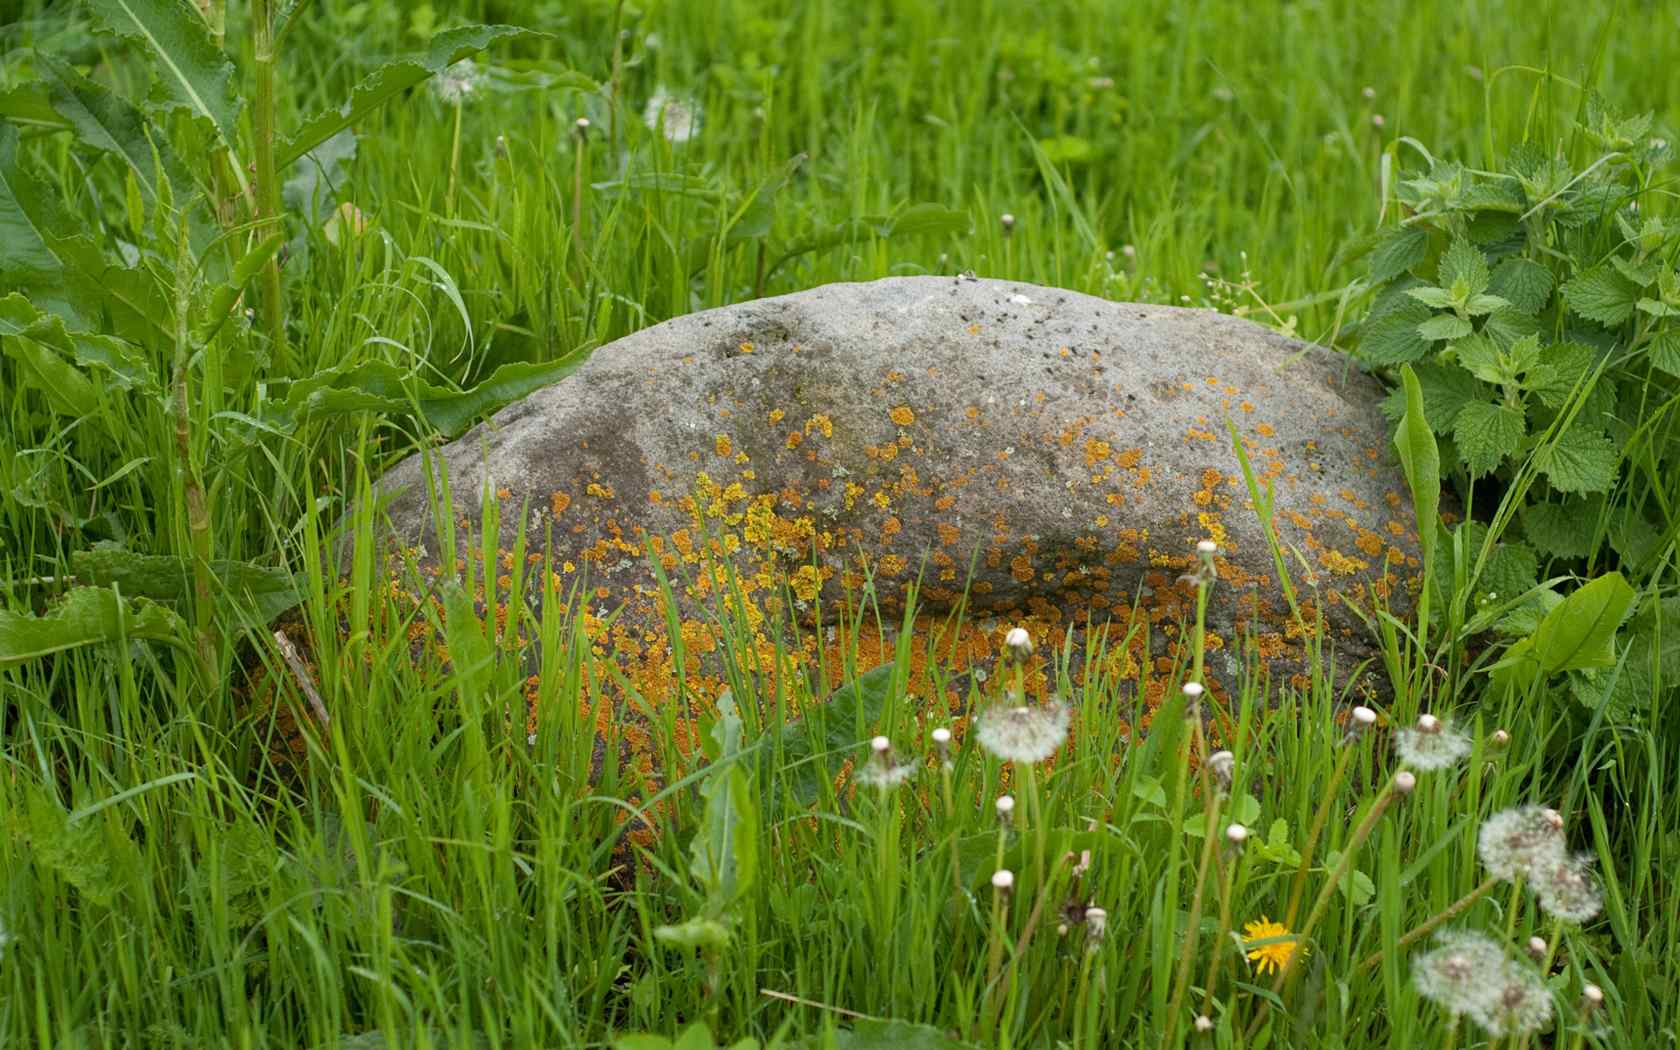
x=1003, y=880
x=501, y=146
x=1005, y=808
x=1008, y=222
x=1207, y=547
x=1368, y=93
x=1428, y=724
x=1129, y=251
x=581, y=128
x=1018, y=644
x=1500, y=738
x=1236, y=835
x=1223, y=766
x=1364, y=717
x=880, y=745
x=1592, y=997
x=1536, y=948
x=1377, y=120
x=1096, y=922
x=942, y=737
x=1193, y=690
x=1404, y=782
x=1204, y=1024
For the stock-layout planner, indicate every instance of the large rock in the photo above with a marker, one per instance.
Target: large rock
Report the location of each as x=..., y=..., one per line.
x=1072, y=450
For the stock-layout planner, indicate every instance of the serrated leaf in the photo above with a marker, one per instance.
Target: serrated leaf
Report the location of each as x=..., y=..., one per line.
x=1657, y=308
x=1398, y=251
x=1664, y=352
x=805, y=747
x=1478, y=356
x=1580, y=461
x=87, y=616
x=390, y=80
x=1508, y=324
x=1511, y=569
x=1562, y=367
x=1562, y=530
x=872, y=1034
x=1601, y=294
x=1429, y=295
x=1444, y=328
x=1446, y=390
x=1526, y=284
x=121, y=361
x=1393, y=338
x=167, y=578
x=32, y=221
x=1484, y=304
x=1486, y=433
x=1464, y=262
x=106, y=121
x=192, y=74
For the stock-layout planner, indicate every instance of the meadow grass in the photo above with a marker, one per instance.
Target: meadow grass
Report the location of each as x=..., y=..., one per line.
x=424, y=874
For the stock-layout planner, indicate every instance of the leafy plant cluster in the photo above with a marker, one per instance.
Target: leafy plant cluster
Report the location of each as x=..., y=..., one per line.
x=1534, y=310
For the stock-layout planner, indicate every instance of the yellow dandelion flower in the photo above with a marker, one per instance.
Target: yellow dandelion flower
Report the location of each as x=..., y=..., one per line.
x=1273, y=957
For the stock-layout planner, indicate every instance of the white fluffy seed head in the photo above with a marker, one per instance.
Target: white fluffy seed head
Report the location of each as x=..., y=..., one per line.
x=1005, y=805
x=1008, y=221
x=1024, y=734
x=1364, y=717
x=1204, y=1023
x=1096, y=921
x=1236, y=834
x=1431, y=745
x=1193, y=690
x=1520, y=843
x=942, y=736
x=1223, y=765
x=1018, y=643
x=1568, y=889
x=1003, y=879
x=1404, y=783
x=1207, y=547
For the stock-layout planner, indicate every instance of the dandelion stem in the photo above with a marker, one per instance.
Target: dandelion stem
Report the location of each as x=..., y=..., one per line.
x=1416, y=934
x=454, y=161
x=1227, y=876
x=268, y=184
x=1298, y=885
x=1193, y=927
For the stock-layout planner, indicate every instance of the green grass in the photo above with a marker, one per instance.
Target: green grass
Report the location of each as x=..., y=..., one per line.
x=424, y=873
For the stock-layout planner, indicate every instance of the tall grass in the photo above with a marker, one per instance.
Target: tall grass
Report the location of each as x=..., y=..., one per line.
x=420, y=868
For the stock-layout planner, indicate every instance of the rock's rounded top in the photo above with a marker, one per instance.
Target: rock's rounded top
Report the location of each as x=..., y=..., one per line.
x=1060, y=455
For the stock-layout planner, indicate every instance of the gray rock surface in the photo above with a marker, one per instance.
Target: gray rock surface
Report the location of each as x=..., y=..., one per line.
x=1071, y=449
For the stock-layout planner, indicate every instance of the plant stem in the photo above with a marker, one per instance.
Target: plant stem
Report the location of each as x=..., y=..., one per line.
x=268, y=179
x=1192, y=928
x=1412, y=936
x=198, y=518
x=454, y=162
x=1227, y=876
x=1299, y=884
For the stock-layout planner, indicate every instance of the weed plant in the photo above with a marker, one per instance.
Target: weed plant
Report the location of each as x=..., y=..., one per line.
x=234, y=287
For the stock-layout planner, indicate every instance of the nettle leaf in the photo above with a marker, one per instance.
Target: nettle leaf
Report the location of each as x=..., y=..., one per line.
x=1563, y=530
x=1643, y=274
x=1561, y=368
x=1446, y=390
x=1464, y=262
x=1393, y=339
x=1484, y=304
x=1657, y=308
x=1510, y=570
x=392, y=79
x=1481, y=358
x=1429, y=295
x=1525, y=284
x=1580, y=461
x=1485, y=434
x=1601, y=294
x=1444, y=327
x=192, y=74
x=1664, y=352
x=168, y=578
x=1398, y=251
x=1507, y=325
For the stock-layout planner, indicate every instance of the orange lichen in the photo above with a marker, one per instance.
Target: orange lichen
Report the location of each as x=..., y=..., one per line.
x=558, y=502
x=902, y=415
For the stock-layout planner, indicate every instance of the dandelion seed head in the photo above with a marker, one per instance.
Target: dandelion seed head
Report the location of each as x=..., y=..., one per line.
x=1002, y=880
x=1007, y=221
x=1500, y=738
x=1404, y=783
x=1193, y=689
x=1368, y=93
x=1462, y=975
x=1568, y=889
x=1592, y=997
x=1005, y=806
x=1204, y=1023
x=1096, y=922
x=942, y=736
x=1536, y=948
x=880, y=745
x=1207, y=547
x=1024, y=734
x=1018, y=644
x=1431, y=745
x=1517, y=843
x=456, y=83
x=1236, y=834
x=678, y=119
x=1522, y=1005
x=1223, y=766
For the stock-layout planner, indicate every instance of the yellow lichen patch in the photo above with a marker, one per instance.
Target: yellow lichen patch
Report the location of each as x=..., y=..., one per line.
x=1340, y=563
x=1096, y=450
x=723, y=445
x=1265, y=430
x=598, y=490
x=902, y=415
x=806, y=583
x=746, y=348
x=948, y=534
x=558, y=502
x=794, y=438
x=819, y=423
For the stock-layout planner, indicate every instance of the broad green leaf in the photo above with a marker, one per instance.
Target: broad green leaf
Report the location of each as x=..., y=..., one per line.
x=827, y=732
x=1601, y=294
x=167, y=578
x=87, y=616
x=1429, y=295
x=1562, y=530
x=1480, y=305
x=1525, y=284
x=68, y=392
x=1420, y=458
x=1444, y=327
x=392, y=79
x=1464, y=263
x=1399, y=250
x=1507, y=324
x=1561, y=368
x=380, y=387
x=1486, y=433
x=1393, y=338
x=1580, y=633
x=724, y=853
x=1665, y=352
x=28, y=107
x=122, y=361
x=1356, y=885
x=32, y=221
x=872, y=1034
x=191, y=74
x=106, y=121
x=1480, y=358
x=1446, y=390
x=695, y=933
x=1580, y=461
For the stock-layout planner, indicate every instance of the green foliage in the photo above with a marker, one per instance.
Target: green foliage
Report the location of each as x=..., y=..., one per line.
x=1534, y=299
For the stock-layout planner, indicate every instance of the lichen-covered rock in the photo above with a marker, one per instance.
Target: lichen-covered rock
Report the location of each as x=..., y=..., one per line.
x=1056, y=454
